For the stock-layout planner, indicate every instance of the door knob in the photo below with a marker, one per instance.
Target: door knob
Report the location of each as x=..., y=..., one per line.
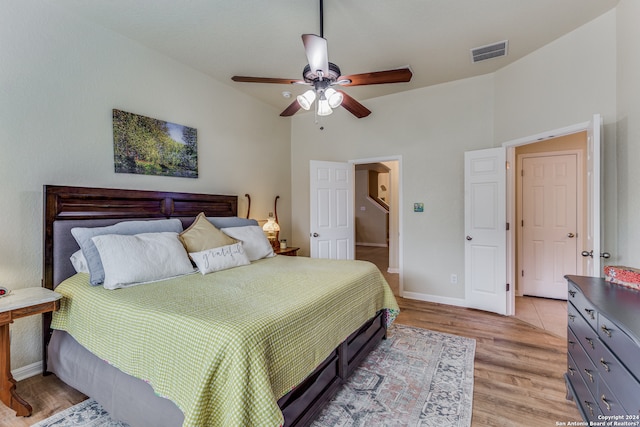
x=315, y=235
x=587, y=253
x=605, y=255
x=469, y=238
x=571, y=235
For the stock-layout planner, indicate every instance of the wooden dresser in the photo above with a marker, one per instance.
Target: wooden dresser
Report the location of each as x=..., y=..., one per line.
x=603, y=341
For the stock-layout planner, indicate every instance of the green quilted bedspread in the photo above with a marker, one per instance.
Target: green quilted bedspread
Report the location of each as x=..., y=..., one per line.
x=225, y=346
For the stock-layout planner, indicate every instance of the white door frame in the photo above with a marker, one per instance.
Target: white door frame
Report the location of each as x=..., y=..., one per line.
x=399, y=213
x=511, y=190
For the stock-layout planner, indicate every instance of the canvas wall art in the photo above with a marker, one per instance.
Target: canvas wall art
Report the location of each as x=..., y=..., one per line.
x=147, y=146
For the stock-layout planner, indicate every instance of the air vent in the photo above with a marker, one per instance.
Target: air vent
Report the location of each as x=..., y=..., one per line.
x=494, y=50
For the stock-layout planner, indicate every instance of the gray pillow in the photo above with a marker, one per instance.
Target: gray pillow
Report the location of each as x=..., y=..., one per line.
x=83, y=237
x=230, y=221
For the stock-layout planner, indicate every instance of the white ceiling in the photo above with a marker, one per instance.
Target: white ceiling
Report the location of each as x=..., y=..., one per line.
x=261, y=38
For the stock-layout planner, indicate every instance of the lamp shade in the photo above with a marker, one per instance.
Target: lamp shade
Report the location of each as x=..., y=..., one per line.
x=271, y=226
x=306, y=99
x=334, y=97
x=323, y=107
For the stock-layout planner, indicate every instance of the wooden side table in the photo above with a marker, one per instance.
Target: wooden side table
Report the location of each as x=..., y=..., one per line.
x=19, y=303
x=289, y=251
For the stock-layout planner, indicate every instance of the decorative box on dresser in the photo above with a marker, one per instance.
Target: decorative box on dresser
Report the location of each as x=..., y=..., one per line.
x=603, y=342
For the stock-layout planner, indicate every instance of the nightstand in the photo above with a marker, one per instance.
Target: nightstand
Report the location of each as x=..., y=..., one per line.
x=19, y=303
x=287, y=251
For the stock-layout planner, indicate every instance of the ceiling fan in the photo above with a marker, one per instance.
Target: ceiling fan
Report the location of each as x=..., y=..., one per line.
x=323, y=75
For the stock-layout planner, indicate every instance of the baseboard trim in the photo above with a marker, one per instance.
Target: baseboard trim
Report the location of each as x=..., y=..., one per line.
x=435, y=298
x=393, y=270
x=28, y=371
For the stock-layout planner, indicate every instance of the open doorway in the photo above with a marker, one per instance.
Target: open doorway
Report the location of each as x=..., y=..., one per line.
x=551, y=222
x=377, y=194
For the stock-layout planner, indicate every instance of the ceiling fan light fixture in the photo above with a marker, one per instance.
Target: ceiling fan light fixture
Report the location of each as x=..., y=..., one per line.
x=306, y=99
x=333, y=97
x=323, y=107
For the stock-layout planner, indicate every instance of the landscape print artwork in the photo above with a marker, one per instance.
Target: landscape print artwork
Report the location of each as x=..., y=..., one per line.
x=147, y=146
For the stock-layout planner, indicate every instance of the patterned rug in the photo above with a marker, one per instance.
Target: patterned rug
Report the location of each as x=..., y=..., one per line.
x=415, y=377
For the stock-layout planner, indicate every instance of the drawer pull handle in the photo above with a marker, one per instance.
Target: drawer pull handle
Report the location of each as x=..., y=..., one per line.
x=586, y=402
x=571, y=343
x=606, y=330
x=590, y=312
x=588, y=372
x=571, y=370
x=607, y=404
x=605, y=365
x=590, y=341
x=572, y=317
x=572, y=293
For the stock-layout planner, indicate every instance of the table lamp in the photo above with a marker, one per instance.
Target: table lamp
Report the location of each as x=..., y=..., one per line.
x=271, y=227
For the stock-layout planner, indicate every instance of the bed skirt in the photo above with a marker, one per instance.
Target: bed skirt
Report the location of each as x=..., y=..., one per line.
x=126, y=398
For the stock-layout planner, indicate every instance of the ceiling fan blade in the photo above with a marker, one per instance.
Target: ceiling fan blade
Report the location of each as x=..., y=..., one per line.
x=245, y=79
x=291, y=109
x=353, y=106
x=400, y=75
x=317, y=54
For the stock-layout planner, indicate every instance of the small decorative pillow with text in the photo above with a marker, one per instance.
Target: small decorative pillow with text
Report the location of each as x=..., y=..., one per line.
x=254, y=242
x=222, y=258
x=141, y=258
x=202, y=235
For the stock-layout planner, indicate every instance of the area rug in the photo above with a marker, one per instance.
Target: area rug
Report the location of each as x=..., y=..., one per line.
x=415, y=377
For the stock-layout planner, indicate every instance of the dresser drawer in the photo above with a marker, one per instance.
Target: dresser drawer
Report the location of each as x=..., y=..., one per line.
x=624, y=347
x=583, y=332
x=583, y=364
x=586, y=403
x=617, y=377
x=607, y=401
x=583, y=306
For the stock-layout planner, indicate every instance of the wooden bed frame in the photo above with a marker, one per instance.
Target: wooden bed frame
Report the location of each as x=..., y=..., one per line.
x=63, y=203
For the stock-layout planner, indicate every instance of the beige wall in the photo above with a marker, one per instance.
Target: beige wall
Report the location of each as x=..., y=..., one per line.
x=371, y=222
x=430, y=129
x=59, y=80
x=628, y=133
x=561, y=84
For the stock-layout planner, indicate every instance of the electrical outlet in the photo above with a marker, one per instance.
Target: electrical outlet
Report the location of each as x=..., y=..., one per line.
x=454, y=278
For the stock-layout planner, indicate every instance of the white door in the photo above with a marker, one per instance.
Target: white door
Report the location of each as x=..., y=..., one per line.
x=549, y=224
x=592, y=250
x=332, y=216
x=485, y=230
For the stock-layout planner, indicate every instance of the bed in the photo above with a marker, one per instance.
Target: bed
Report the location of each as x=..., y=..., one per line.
x=297, y=350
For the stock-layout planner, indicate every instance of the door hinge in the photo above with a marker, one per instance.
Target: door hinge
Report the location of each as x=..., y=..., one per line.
x=522, y=273
x=522, y=223
x=507, y=226
x=508, y=287
x=521, y=172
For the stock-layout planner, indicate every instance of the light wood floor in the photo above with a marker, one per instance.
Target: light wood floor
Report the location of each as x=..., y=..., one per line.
x=517, y=375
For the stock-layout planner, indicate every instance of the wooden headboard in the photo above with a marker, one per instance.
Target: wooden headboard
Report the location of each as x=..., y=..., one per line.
x=75, y=205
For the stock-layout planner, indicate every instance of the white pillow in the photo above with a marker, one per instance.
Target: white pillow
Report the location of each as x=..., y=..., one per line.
x=140, y=258
x=222, y=258
x=79, y=262
x=254, y=242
